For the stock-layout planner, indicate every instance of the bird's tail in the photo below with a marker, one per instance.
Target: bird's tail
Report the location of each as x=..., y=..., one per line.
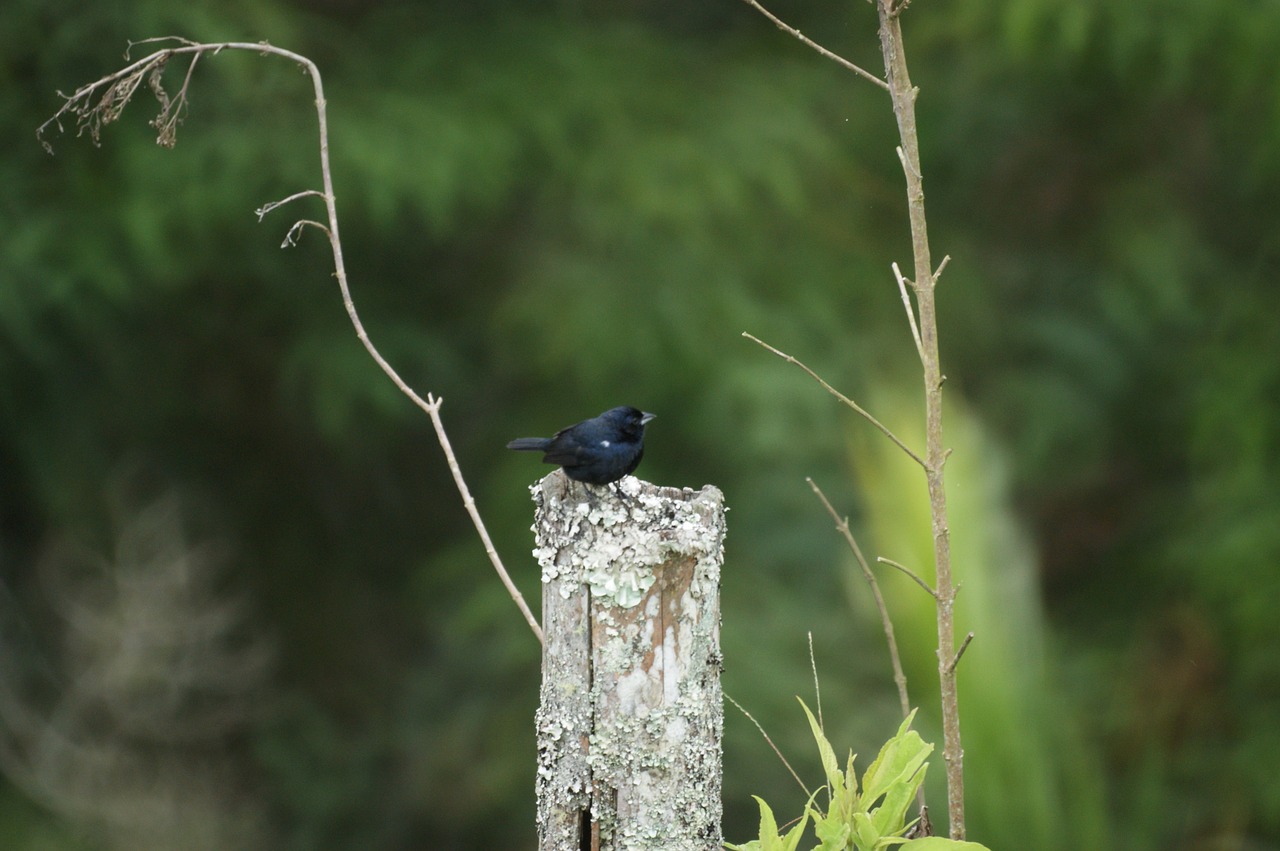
x=530, y=444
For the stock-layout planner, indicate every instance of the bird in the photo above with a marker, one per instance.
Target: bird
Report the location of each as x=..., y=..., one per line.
x=598, y=451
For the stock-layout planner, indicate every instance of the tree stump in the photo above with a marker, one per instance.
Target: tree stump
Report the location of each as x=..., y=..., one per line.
x=630, y=722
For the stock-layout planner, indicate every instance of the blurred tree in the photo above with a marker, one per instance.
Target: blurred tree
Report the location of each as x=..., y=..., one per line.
x=550, y=211
x=129, y=727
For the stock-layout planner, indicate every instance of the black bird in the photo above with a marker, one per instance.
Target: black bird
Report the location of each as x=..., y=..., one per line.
x=597, y=451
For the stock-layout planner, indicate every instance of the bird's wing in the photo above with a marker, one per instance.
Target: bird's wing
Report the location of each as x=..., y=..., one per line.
x=569, y=446
x=564, y=454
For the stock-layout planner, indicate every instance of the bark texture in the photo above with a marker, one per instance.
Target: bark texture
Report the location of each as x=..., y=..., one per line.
x=630, y=722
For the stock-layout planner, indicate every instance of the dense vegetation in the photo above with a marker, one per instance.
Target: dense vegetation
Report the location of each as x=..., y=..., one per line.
x=551, y=209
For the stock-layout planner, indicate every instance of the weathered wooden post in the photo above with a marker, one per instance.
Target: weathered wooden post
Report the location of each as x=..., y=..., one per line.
x=630, y=721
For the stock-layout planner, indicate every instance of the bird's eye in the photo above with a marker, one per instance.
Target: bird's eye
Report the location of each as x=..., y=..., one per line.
x=605, y=444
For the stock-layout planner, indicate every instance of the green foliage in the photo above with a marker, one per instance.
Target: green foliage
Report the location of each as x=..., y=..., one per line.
x=770, y=838
x=939, y=843
x=874, y=817
x=1014, y=719
x=866, y=816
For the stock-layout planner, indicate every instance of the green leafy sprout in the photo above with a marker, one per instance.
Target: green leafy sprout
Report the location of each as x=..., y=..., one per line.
x=869, y=817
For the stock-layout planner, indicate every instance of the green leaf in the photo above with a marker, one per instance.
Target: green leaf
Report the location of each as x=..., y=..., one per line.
x=770, y=840
x=835, y=778
x=898, y=762
x=941, y=843
x=865, y=835
x=890, y=817
x=833, y=833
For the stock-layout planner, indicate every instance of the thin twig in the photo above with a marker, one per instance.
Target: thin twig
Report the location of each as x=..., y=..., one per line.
x=964, y=645
x=842, y=526
x=752, y=719
x=911, y=314
x=938, y=273
x=911, y=573
x=792, y=31
x=886, y=623
x=843, y=398
x=262, y=211
x=817, y=690
x=160, y=39
x=432, y=404
x=109, y=106
x=292, y=235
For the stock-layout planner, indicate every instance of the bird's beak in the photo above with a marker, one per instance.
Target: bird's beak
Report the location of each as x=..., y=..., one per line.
x=646, y=416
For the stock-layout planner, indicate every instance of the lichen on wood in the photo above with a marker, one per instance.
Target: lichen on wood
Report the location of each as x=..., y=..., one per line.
x=630, y=721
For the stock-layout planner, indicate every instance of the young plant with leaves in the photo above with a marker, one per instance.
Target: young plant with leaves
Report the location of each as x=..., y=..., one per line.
x=869, y=816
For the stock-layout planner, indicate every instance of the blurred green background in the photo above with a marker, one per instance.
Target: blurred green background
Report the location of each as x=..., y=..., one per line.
x=240, y=603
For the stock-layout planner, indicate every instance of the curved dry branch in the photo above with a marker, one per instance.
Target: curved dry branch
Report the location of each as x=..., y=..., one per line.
x=886, y=623
x=858, y=409
x=808, y=42
x=102, y=101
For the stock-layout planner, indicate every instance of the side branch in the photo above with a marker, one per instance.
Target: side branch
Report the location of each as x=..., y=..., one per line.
x=964, y=645
x=911, y=314
x=840, y=60
x=911, y=574
x=431, y=406
x=262, y=211
x=842, y=526
x=843, y=398
x=941, y=266
x=753, y=720
x=295, y=232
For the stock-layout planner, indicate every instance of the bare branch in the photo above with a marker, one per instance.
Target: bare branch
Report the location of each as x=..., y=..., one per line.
x=120, y=86
x=915, y=577
x=938, y=272
x=842, y=526
x=866, y=75
x=433, y=410
x=964, y=645
x=295, y=232
x=843, y=398
x=170, y=110
x=431, y=406
x=262, y=211
x=160, y=39
x=911, y=314
x=903, y=95
x=752, y=719
x=92, y=110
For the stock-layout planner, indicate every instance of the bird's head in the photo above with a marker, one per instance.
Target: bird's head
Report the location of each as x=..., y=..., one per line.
x=630, y=420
